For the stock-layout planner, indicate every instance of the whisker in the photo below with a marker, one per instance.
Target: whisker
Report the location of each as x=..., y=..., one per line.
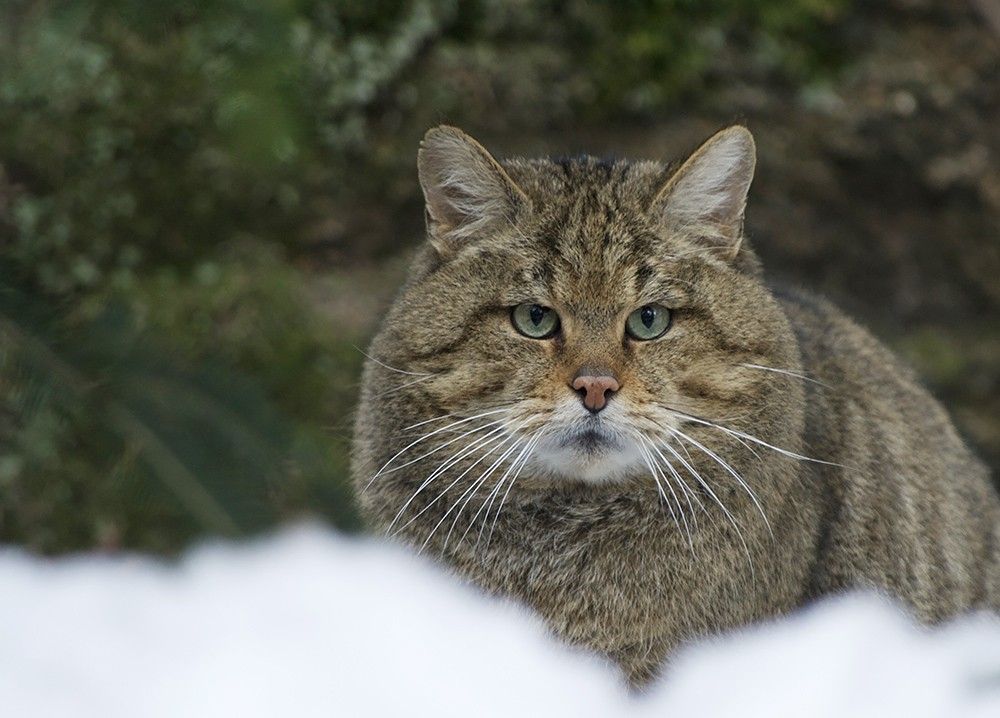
x=458, y=478
x=428, y=421
x=390, y=368
x=444, y=466
x=646, y=457
x=787, y=372
x=663, y=496
x=726, y=512
x=492, y=496
x=685, y=490
x=439, y=447
x=748, y=448
x=688, y=493
x=404, y=385
x=534, y=442
x=754, y=439
x=451, y=415
x=686, y=453
x=719, y=460
x=656, y=471
x=470, y=492
x=427, y=436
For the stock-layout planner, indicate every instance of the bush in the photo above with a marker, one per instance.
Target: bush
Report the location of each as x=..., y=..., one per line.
x=201, y=406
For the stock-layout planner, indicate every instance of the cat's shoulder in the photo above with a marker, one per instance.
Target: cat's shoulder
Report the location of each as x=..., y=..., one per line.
x=813, y=314
x=832, y=341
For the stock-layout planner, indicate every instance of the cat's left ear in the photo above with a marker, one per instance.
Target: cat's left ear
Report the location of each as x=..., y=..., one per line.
x=706, y=197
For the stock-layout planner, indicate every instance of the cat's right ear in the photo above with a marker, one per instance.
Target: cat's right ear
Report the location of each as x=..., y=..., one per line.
x=466, y=191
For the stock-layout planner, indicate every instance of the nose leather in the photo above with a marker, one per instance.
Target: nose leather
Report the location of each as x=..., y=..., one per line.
x=595, y=389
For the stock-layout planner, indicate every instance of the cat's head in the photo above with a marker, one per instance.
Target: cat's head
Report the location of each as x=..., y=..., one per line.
x=574, y=315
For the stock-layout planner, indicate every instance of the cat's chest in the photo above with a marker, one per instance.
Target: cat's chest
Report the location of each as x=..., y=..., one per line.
x=615, y=578
x=612, y=580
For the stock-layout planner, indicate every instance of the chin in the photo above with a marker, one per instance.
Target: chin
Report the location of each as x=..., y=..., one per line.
x=588, y=457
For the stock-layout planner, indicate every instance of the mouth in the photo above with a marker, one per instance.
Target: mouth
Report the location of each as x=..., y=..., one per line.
x=591, y=441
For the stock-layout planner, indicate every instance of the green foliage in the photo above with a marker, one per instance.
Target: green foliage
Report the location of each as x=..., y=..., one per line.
x=113, y=434
x=170, y=173
x=139, y=133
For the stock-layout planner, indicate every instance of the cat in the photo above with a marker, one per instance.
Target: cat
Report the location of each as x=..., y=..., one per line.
x=587, y=398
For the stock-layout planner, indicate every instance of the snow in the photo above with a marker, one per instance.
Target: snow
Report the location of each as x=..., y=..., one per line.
x=311, y=623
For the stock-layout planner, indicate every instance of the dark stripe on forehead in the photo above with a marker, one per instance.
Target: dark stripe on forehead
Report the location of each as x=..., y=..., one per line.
x=587, y=164
x=643, y=274
x=623, y=171
x=542, y=273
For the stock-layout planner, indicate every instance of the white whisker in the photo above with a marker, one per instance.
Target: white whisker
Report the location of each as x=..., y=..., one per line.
x=503, y=440
x=728, y=514
x=663, y=496
x=391, y=368
x=492, y=496
x=754, y=439
x=441, y=446
x=787, y=372
x=427, y=436
x=428, y=421
x=515, y=468
x=470, y=490
x=468, y=494
x=444, y=466
x=688, y=493
x=732, y=472
x=533, y=442
x=647, y=457
x=452, y=415
x=404, y=385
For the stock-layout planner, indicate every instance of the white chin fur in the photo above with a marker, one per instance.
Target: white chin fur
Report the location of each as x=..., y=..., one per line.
x=570, y=462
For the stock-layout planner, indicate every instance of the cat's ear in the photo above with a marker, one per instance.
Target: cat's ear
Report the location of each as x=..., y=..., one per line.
x=706, y=197
x=466, y=191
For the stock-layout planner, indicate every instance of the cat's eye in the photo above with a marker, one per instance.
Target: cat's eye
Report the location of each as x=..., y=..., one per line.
x=534, y=320
x=648, y=322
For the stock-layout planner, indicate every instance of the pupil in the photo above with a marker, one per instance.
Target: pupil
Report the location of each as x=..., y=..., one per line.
x=647, y=316
x=536, y=313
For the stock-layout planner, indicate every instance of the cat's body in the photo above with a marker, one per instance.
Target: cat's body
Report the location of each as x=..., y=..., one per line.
x=760, y=452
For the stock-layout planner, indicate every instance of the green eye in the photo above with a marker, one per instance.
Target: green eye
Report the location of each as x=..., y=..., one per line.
x=648, y=322
x=534, y=320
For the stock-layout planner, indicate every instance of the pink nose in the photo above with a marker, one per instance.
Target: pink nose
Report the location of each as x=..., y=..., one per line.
x=595, y=390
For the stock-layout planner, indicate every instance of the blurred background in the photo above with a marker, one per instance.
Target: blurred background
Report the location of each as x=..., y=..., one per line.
x=205, y=206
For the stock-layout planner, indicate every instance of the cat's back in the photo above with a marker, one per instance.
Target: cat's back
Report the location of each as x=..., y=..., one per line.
x=850, y=372
x=908, y=506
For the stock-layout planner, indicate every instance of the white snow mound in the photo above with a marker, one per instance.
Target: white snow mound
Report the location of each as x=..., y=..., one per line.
x=310, y=623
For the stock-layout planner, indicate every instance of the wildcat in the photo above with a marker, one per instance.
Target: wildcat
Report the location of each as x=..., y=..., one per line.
x=586, y=397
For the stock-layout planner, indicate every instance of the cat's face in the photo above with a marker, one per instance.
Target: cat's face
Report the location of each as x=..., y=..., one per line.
x=575, y=318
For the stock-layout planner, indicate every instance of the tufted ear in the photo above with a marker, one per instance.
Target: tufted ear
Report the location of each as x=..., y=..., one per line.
x=706, y=197
x=466, y=191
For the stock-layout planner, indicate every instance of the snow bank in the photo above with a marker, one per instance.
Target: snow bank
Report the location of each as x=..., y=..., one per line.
x=312, y=624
